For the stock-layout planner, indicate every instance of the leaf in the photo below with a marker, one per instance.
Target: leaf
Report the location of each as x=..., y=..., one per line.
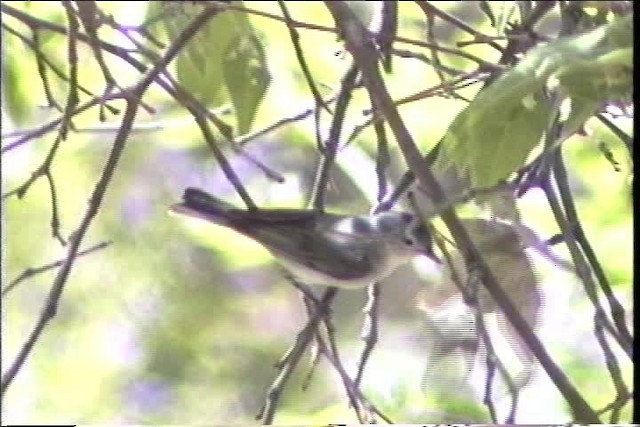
x=581, y=110
x=501, y=203
x=504, y=252
x=493, y=136
x=485, y=7
x=223, y=62
x=16, y=95
x=157, y=12
x=608, y=78
x=450, y=336
x=199, y=64
x=246, y=77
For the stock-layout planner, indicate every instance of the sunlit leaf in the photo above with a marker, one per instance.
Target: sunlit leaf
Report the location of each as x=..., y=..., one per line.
x=246, y=77
x=223, y=62
x=608, y=78
x=492, y=137
x=153, y=24
x=14, y=92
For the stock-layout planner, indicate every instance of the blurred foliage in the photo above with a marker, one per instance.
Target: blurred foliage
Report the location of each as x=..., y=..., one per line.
x=512, y=114
x=178, y=322
x=231, y=68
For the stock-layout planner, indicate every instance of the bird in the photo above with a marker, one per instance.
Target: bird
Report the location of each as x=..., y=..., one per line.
x=319, y=248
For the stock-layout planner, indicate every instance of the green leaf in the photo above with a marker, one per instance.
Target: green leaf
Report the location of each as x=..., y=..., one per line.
x=15, y=88
x=581, y=110
x=246, y=77
x=493, y=136
x=608, y=78
x=496, y=132
x=155, y=16
x=199, y=63
x=223, y=62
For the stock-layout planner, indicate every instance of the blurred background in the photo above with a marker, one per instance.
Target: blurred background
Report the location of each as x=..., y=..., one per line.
x=178, y=321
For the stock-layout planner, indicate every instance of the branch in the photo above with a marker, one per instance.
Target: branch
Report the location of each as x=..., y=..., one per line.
x=292, y=357
x=574, y=235
x=72, y=59
x=295, y=41
x=364, y=53
x=133, y=102
x=32, y=271
x=42, y=60
x=53, y=299
x=331, y=146
x=430, y=11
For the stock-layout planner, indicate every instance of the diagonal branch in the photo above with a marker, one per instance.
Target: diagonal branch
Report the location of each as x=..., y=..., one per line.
x=363, y=51
x=134, y=100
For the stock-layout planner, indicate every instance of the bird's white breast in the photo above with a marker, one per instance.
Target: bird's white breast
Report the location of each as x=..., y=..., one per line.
x=383, y=266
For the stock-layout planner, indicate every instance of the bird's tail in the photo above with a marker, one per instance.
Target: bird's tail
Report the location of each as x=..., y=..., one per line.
x=199, y=204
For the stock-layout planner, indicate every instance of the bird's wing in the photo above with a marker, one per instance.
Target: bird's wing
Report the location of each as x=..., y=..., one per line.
x=315, y=250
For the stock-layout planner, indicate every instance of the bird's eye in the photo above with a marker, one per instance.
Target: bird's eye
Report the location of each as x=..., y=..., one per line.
x=408, y=242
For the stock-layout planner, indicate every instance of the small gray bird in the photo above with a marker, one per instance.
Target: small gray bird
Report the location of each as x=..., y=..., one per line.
x=321, y=248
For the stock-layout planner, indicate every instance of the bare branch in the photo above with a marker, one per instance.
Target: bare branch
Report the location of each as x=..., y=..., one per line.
x=133, y=102
x=363, y=52
x=33, y=271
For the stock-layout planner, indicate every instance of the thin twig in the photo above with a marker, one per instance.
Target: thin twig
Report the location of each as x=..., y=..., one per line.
x=403, y=53
x=295, y=41
x=88, y=12
x=42, y=69
x=43, y=60
x=55, y=293
x=383, y=160
x=485, y=64
x=388, y=32
x=435, y=57
x=292, y=357
x=33, y=271
x=432, y=91
x=627, y=140
x=370, y=330
x=469, y=292
x=493, y=362
x=619, y=403
x=55, y=217
x=53, y=124
x=431, y=10
x=222, y=160
x=441, y=89
x=349, y=385
x=330, y=148
x=72, y=59
x=538, y=11
x=612, y=366
x=623, y=336
x=245, y=139
x=406, y=180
